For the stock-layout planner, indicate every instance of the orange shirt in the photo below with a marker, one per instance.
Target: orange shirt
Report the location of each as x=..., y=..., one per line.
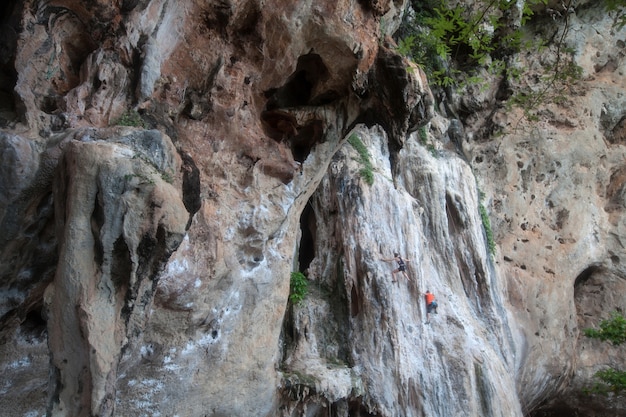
x=430, y=297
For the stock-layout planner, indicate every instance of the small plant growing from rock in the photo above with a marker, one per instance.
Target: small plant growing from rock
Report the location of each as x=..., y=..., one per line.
x=612, y=330
x=618, y=7
x=130, y=118
x=423, y=134
x=167, y=177
x=299, y=287
x=491, y=244
x=367, y=172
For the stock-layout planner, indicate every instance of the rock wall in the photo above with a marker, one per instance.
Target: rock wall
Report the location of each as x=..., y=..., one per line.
x=549, y=185
x=356, y=321
x=145, y=269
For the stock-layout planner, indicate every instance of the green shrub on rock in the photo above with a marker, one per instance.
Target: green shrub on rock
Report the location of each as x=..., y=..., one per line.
x=614, y=331
x=299, y=287
x=367, y=172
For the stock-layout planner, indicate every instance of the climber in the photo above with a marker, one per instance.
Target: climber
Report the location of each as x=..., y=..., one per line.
x=431, y=304
x=401, y=266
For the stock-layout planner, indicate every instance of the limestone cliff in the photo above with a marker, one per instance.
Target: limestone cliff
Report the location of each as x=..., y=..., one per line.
x=166, y=166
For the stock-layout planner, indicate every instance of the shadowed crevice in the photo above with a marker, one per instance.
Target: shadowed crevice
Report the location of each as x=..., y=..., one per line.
x=97, y=221
x=191, y=186
x=308, y=230
x=12, y=109
x=289, y=114
x=121, y=265
x=300, y=87
x=586, y=274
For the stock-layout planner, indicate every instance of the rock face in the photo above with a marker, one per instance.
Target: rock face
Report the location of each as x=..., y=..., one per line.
x=145, y=269
x=357, y=321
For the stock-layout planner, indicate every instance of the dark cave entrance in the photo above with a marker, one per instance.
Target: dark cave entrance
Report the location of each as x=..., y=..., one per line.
x=556, y=410
x=34, y=327
x=585, y=275
x=308, y=229
x=299, y=88
x=279, y=117
x=598, y=291
x=9, y=29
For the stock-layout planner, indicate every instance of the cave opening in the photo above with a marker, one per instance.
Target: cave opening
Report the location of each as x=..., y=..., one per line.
x=305, y=140
x=191, y=185
x=34, y=326
x=598, y=291
x=217, y=18
x=121, y=264
x=357, y=407
x=354, y=302
x=586, y=274
x=280, y=119
x=555, y=409
x=588, y=289
x=97, y=221
x=308, y=229
x=10, y=108
x=299, y=88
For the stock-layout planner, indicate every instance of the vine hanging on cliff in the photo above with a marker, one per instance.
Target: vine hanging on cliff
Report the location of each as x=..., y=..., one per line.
x=367, y=172
x=484, y=216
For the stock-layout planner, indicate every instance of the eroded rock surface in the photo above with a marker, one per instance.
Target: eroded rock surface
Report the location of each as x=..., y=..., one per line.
x=144, y=269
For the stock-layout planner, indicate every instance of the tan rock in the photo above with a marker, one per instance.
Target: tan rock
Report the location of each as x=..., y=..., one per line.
x=152, y=275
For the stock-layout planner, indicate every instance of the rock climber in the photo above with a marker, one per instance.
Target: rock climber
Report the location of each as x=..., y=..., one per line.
x=431, y=305
x=401, y=266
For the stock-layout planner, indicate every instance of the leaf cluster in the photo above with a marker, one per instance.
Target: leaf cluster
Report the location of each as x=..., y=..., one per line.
x=423, y=135
x=618, y=7
x=450, y=40
x=367, y=172
x=130, y=118
x=611, y=379
x=298, y=287
x=614, y=331
x=491, y=243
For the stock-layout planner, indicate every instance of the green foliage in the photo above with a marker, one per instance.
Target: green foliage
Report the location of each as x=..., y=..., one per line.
x=618, y=7
x=527, y=9
x=614, y=331
x=130, y=118
x=367, y=172
x=423, y=135
x=426, y=49
x=611, y=379
x=491, y=243
x=453, y=42
x=142, y=179
x=437, y=35
x=406, y=45
x=555, y=84
x=167, y=177
x=299, y=287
